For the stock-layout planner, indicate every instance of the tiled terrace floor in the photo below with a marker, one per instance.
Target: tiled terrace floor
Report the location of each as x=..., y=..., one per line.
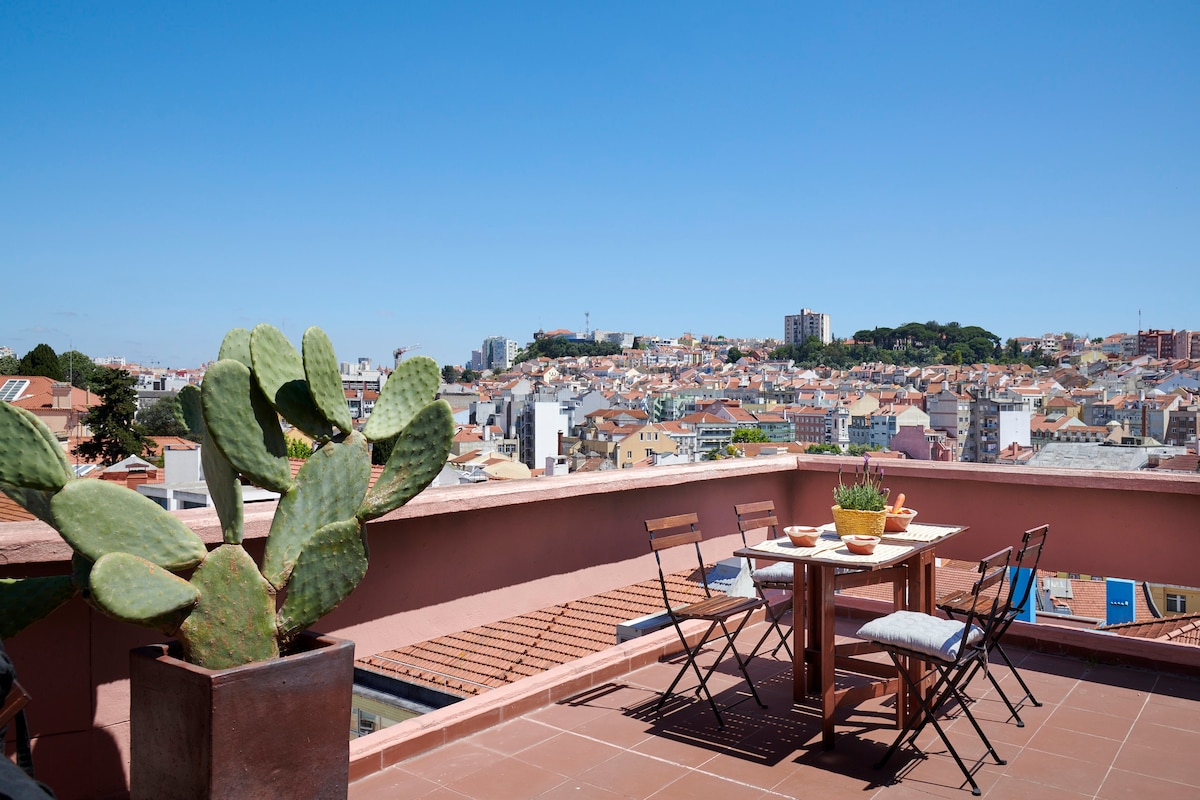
x=1104, y=732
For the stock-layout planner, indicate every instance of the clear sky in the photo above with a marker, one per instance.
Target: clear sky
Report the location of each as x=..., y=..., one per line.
x=433, y=173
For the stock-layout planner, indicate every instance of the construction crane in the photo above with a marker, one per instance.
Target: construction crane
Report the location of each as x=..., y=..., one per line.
x=399, y=352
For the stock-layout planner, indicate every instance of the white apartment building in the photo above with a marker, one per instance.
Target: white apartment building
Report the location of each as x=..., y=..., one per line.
x=806, y=324
x=498, y=353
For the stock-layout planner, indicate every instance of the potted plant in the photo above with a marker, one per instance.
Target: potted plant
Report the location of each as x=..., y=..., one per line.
x=234, y=618
x=860, y=508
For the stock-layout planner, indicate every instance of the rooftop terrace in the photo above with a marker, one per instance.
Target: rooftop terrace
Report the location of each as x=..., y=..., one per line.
x=461, y=557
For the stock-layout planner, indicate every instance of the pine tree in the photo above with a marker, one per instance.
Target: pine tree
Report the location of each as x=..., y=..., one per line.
x=113, y=433
x=42, y=360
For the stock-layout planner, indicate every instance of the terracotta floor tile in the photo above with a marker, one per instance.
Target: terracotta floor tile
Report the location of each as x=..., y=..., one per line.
x=695, y=785
x=1175, y=762
x=1181, y=716
x=1116, y=700
x=573, y=789
x=1176, y=690
x=450, y=762
x=507, y=779
x=617, y=728
x=1055, y=770
x=568, y=754
x=514, y=736
x=1085, y=721
x=1009, y=788
x=632, y=775
x=1122, y=784
x=391, y=783
x=1083, y=746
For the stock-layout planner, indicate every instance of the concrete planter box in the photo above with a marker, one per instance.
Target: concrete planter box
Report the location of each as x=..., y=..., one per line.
x=270, y=729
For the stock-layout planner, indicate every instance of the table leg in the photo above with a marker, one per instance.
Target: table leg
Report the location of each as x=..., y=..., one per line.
x=824, y=610
x=800, y=637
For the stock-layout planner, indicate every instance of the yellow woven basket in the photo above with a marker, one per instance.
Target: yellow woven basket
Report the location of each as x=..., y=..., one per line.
x=850, y=522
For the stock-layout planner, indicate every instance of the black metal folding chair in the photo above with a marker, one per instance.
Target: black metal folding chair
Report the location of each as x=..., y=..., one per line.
x=1019, y=593
x=949, y=648
x=779, y=576
x=716, y=610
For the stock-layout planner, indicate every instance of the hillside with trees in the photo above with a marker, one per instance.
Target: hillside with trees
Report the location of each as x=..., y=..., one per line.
x=914, y=343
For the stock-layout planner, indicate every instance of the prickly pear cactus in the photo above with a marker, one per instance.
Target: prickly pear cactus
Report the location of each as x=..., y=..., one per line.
x=138, y=563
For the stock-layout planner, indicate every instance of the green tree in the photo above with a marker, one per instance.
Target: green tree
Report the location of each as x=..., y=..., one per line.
x=163, y=418
x=381, y=450
x=750, y=435
x=42, y=360
x=10, y=365
x=831, y=449
x=113, y=433
x=468, y=376
x=450, y=374
x=78, y=368
x=298, y=448
x=733, y=355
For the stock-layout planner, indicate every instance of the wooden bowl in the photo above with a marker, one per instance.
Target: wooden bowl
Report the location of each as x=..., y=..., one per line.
x=861, y=545
x=897, y=522
x=802, y=535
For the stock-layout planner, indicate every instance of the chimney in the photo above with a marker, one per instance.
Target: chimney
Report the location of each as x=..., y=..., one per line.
x=60, y=394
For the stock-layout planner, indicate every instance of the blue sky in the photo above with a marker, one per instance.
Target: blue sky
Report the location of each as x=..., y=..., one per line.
x=435, y=173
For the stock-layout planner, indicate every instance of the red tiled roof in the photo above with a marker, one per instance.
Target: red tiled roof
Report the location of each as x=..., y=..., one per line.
x=483, y=658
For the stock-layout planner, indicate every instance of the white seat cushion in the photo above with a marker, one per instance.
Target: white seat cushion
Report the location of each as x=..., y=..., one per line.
x=779, y=572
x=922, y=633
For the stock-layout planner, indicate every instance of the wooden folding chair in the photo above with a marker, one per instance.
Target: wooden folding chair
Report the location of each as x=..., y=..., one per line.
x=716, y=610
x=779, y=576
x=949, y=648
x=1020, y=589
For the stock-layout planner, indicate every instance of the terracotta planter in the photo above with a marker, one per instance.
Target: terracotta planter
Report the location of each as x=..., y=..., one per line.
x=851, y=522
x=270, y=729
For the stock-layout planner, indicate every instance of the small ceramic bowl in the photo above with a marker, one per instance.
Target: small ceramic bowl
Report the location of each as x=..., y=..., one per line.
x=802, y=535
x=861, y=545
x=897, y=522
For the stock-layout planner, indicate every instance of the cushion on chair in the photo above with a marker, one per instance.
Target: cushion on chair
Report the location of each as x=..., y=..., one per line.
x=779, y=572
x=922, y=633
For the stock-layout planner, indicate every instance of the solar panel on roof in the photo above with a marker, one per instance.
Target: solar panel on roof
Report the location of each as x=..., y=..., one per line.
x=12, y=389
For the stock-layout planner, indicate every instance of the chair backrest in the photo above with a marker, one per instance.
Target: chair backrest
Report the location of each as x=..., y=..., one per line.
x=1028, y=557
x=993, y=570
x=676, y=531
x=752, y=516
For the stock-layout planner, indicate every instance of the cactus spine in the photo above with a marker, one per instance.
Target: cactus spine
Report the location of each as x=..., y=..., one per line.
x=133, y=559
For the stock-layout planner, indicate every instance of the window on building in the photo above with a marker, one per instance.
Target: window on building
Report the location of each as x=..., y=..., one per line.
x=1176, y=603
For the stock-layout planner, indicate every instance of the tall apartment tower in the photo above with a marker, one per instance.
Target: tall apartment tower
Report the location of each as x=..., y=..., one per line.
x=808, y=323
x=498, y=352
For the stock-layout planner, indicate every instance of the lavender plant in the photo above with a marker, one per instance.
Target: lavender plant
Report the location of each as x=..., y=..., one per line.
x=866, y=493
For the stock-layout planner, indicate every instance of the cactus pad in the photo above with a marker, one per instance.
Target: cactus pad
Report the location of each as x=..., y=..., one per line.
x=324, y=380
x=333, y=562
x=417, y=457
x=132, y=589
x=280, y=373
x=234, y=621
x=35, y=501
x=193, y=415
x=31, y=458
x=411, y=387
x=26, y=600
x=226, y=492
x=97, y=517
x=244, y=426
x=329, y=487
x=236, y=346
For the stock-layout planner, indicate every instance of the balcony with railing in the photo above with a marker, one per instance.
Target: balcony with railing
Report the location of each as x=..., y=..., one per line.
x=459, y=557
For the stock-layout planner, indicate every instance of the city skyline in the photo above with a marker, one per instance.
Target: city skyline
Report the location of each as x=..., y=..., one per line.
x=173, y=172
